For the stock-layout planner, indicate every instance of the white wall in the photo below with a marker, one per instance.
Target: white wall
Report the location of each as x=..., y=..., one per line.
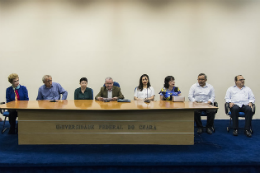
x=123, y=39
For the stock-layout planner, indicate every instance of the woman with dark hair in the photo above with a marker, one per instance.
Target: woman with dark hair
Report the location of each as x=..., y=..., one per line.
x=83, y=92
x=144, y=91
x=15, y=92
x=169, y=89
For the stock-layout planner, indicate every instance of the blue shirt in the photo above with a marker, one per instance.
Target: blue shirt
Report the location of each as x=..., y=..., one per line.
x=167, y=94
x=22, y=91
x=52, y=93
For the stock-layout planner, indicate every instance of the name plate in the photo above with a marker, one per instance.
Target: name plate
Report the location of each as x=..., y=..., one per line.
x=105, y=127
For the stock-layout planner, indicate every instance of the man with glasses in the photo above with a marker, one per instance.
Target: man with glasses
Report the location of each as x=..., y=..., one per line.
x=203, y=92
x=51, y=90
x=109, y=92
x=240, y=99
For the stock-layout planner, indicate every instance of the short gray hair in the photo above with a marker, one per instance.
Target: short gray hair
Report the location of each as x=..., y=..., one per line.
x=108, y=78
x=44, y=77
x=203, y=74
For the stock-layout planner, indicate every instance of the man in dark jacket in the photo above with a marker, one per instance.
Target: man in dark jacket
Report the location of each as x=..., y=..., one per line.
x=109, y=91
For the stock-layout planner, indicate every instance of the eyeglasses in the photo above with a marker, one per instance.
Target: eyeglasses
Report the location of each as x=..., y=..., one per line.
x=241, y=79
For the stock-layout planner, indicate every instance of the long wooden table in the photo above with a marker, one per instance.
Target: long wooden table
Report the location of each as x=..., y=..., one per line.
x=96, y=122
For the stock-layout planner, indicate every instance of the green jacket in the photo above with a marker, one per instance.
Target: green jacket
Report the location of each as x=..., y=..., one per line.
x=116, y=92
x=87, y=95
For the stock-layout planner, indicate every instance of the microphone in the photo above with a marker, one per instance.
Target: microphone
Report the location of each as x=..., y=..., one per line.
x=147, y=100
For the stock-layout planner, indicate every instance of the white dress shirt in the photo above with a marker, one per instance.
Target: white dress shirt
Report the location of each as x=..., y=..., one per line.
x=109, y=94
x=144, y=93
x=201, y=94
x=238, y=96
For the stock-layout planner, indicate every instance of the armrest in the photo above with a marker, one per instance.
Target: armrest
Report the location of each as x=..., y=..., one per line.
x=253, y=110
x=226, y=107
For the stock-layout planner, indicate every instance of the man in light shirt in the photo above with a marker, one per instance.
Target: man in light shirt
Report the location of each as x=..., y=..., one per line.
x=51, y=90
x=109, y=92
x=203, y=92
x=240, y=99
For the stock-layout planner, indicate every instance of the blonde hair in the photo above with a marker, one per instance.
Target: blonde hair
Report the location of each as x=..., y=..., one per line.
x=45, y=77
x=12, y=76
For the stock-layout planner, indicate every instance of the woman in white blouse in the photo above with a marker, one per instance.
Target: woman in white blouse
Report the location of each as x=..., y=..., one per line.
x=144, y=91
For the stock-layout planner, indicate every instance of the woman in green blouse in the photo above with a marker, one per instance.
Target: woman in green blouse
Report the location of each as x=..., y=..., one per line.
x=83, y=92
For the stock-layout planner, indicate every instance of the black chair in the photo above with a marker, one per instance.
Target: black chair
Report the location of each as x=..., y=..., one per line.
x=5, y=113
x=204, y=113
x=240, y=115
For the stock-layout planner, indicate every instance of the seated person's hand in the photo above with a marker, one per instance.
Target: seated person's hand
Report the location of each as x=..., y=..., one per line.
x=114, y=98
x=197, y=102
x=209, y=102
x=1, y=119
x=231, y=105
x=147, y=100
x=100, y=98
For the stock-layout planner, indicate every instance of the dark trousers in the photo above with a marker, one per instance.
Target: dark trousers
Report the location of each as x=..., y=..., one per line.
x=248, y=115
x=12, y=119
x=210, y=118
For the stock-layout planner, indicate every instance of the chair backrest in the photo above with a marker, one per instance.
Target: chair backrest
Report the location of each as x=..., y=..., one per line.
x=115, y=84
x=226, y=108
x=216, y=104
x=3, y=111
x=204, y=113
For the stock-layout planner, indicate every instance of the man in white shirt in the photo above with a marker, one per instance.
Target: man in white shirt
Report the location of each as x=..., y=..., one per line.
x=203, y=92
x=240, y=99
